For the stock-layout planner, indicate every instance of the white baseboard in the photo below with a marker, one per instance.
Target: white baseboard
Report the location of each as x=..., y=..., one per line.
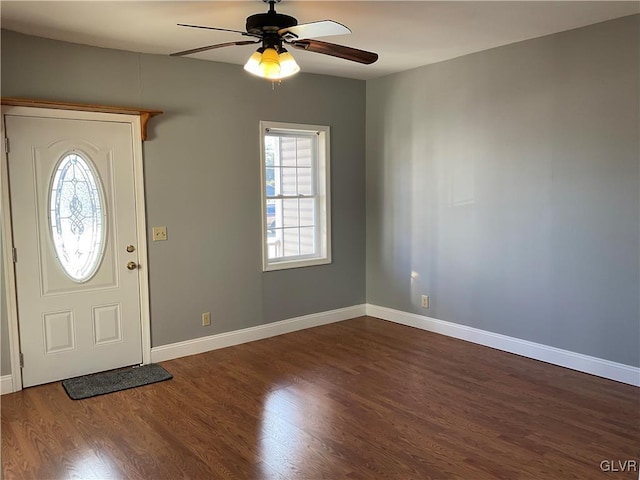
x=6, y=384
x=222, y=340
x=556, y=356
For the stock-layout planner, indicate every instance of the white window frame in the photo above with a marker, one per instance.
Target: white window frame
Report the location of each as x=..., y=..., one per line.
x=322, y=177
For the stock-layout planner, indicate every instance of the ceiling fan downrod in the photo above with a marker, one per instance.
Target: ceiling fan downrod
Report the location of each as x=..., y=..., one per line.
x=272, y=5
x=270, y=22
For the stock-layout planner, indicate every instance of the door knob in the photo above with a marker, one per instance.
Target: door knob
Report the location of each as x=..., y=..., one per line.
x=132, y=265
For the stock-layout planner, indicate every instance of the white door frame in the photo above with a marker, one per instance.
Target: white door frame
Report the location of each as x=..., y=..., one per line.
x=7, y=231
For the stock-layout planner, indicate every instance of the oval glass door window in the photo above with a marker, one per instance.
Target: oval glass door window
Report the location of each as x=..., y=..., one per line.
x=77, y=217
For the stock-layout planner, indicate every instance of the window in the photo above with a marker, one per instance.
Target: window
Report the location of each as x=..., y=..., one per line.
x=295, y=195
x=76, y=217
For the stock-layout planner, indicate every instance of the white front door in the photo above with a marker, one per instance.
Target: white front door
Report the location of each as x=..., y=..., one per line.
x=73, y=209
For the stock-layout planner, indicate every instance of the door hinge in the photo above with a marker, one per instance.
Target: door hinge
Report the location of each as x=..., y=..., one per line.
x=21, y=360
x=6, y=144
x=14, y=254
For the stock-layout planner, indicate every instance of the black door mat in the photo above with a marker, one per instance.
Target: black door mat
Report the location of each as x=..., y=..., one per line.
x=114, y=381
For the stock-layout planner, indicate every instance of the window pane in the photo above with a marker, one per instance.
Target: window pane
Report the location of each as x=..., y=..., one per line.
x=273, y=188
x=305, y=179
x=274, y=244
x=304, y=152
x=270, y=180
x=290, y=213
x=271, y=151
x=307, y=241
x=76, y=216
x=307, y=212
x=289, y=181
x=291, y=242
x=288, y=151
x=273, y=206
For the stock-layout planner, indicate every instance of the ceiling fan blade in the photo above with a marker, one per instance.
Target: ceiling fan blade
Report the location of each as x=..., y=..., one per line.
x=211, y=47
x=219, y=29
x=340, y=51
x=323, y=28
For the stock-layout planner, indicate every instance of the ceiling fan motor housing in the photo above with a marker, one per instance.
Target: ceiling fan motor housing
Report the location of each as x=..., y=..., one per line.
x=269, y=22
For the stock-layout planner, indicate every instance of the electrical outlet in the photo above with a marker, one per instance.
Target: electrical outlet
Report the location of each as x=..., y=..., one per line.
x=425, y=301
x=206, y=319
x=159, y=233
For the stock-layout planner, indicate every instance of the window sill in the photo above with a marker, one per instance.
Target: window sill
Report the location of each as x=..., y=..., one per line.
x=286, y=265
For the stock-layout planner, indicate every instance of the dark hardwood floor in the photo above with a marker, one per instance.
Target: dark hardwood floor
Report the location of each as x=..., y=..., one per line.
x=360, y=399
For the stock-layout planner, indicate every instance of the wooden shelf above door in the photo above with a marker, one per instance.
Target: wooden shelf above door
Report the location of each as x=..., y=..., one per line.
x=144, y=114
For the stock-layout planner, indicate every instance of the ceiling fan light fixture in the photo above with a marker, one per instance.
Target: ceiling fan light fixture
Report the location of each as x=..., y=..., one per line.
x=268, y=63
x=288, y=65
x=272, y=29
x=253, y=64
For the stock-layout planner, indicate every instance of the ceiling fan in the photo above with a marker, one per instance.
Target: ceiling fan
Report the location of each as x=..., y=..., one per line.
x=274, y=30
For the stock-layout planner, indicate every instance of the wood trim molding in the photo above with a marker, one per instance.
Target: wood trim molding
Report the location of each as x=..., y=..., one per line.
x=144, y=114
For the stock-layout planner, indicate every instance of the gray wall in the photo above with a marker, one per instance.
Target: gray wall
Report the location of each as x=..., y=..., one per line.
x=504, y=184
x=507, y=184
x=202, y=172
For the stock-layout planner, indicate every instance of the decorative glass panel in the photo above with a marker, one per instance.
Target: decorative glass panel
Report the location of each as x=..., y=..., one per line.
x=77, y=217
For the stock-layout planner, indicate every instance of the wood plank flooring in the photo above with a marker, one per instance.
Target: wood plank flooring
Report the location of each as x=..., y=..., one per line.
x=360, y=399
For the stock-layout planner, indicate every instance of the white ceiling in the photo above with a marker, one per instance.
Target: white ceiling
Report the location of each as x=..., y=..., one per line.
x=406, y=34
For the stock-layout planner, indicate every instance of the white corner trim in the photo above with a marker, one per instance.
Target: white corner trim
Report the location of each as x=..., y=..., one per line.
x=556, y=356
x=6, y=384
x=228, y=339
